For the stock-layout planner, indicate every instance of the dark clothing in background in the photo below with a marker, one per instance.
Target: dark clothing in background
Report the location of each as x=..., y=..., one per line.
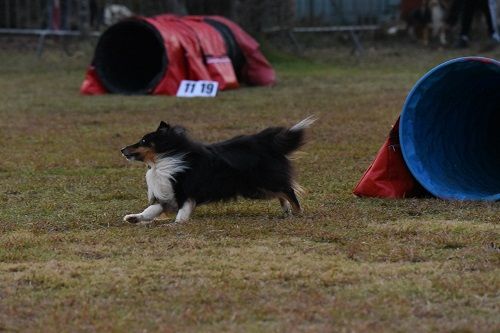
x=454, y=11
x=469, y=9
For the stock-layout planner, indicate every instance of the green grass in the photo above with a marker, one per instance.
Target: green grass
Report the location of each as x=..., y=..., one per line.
x=68, y=263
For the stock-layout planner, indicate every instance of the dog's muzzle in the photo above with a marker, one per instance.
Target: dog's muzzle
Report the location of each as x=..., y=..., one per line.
x=128, y=154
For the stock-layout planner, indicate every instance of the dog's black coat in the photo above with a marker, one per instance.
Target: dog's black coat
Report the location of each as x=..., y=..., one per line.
x=251, y=166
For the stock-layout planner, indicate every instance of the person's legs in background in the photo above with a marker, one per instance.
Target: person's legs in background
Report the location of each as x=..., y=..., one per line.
x=468, y=11
x=454, y=11
x=489, y=9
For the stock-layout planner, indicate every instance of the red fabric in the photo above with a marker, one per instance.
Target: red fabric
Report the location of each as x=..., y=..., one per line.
x=196, y=51
x=91, y=84
x=185, y=60
x=388, y=176
x=214, y=51
x=257, y=70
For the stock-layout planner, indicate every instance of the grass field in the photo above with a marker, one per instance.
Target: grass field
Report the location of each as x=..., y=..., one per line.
x=68, y=263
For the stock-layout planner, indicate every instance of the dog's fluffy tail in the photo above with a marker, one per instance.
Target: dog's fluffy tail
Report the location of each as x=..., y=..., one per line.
x=288, y=140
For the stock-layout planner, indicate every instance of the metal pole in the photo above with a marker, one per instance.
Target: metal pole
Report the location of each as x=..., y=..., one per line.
x=17, y=14
x=84, y=17
x=7, y=14
x=41, y=39
x=28, y=14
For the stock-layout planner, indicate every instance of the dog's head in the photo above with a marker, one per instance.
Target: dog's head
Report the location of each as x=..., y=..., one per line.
x=166, y=139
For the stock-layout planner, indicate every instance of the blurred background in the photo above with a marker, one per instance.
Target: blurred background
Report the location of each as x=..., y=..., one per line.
x=68, y=263
x=294, y=23
x=257, y=15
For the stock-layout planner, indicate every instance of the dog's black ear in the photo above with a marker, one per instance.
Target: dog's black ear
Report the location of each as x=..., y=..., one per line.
x=163, y=126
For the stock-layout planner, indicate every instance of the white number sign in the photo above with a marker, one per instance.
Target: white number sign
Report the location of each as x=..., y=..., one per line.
x=197, y=88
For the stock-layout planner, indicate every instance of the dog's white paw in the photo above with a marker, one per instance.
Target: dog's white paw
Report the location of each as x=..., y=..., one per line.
x=132, y=218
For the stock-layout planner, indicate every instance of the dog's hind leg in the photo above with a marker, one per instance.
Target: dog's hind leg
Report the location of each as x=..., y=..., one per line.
x=285, y=205
x=186, y=210
x=148, y=215
x=293, y=200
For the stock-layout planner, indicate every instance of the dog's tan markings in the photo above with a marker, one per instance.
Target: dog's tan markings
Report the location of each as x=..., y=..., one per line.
x=296, y=208
x=289, y=200
x=147, y=154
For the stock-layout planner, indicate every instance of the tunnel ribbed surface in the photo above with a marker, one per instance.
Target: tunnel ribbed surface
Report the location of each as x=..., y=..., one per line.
x=233, y=49
x=450, y=130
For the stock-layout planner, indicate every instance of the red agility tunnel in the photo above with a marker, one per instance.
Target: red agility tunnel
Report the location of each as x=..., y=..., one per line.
x=153, y=55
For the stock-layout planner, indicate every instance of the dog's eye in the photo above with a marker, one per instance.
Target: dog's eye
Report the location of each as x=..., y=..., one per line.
x=143, y=141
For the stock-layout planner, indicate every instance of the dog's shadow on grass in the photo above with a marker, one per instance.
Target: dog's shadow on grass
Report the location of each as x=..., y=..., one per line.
x=229, y=216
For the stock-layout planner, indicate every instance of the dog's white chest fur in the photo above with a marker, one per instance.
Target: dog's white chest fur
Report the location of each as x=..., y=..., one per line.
x=159, y=179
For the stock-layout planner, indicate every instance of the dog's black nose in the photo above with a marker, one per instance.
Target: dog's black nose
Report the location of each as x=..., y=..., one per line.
x=125, y=152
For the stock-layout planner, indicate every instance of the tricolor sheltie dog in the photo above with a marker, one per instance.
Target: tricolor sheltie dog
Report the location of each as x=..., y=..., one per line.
x=183, y=173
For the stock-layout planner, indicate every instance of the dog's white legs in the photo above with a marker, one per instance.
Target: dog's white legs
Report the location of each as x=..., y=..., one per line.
x=147, y=215
x=185, y=212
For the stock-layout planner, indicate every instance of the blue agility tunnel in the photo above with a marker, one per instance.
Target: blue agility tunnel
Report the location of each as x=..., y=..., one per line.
x=450, y=130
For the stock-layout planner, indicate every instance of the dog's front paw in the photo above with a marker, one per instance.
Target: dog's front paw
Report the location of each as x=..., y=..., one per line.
x=132, y=218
